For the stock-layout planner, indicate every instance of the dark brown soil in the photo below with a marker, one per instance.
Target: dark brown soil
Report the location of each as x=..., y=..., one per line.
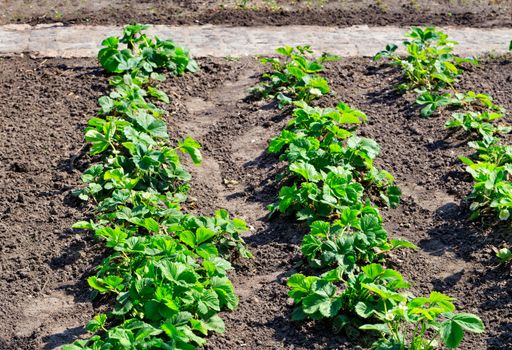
x=45, y=105
x=478, y=13
x=44, y=264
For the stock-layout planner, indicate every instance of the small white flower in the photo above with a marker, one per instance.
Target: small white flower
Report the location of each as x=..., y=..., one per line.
x=146, y=195
x=389, y=316
x=402, y=307
x=110, y=160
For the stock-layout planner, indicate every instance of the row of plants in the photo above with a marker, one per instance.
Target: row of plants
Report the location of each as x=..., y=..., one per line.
x=431, y=69
x=165, y=269
x=332, y=184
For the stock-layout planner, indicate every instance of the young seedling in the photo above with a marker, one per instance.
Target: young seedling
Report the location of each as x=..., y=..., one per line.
x=504, y=255
x=416, y=323
x=295, y=76
x=479, y=123
x=429, y=67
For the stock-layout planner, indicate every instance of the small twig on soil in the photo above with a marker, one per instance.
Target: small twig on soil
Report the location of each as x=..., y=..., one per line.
x=81, y=152
x=44, y=285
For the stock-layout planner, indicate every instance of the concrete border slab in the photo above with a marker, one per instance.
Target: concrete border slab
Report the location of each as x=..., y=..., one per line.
x=211, y=40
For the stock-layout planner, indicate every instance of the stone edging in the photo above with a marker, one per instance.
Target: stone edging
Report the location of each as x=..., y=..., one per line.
x=56, y=40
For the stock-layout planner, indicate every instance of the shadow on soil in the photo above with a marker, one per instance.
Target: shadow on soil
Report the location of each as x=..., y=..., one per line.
x=456, y=233
x=83, y=241
x=471, y=241
x=57, y=340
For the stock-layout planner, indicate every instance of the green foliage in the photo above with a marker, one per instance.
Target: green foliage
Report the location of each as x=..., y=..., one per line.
x=331, y=182
x=430, y=63
x=330, y=296
x=323, y=150
x=492, y=189
x=490, y=166
x=475, y=102
x=376, y=293
x=136, y=52
x=504, y=255
x=294, y=77
x=480, y=123
x=415, y=323
x=356, y=238
x=478, y=116
x=432, y=102
x=167, y=269
x=429, y=67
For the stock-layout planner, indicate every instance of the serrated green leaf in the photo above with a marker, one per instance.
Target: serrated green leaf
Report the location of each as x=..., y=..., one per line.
x=191, y=147
x=469, y=322
x=451, y=333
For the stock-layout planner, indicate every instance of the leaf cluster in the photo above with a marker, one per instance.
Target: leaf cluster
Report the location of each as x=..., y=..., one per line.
x=429, y=67
x=490, y=165
x=504, y=255
x=333, y=179
x=323, y=151
x=478, y=116
x=377, y=293
x=416, y=323
x=491, y=172
x=295, y=76
x=335, y=295
x=134, y=51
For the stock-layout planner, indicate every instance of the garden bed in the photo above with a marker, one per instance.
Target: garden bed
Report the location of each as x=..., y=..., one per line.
x=478, y=13
x=45, y=301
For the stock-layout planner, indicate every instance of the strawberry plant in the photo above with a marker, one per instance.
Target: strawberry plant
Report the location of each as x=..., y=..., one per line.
x=474, y=102
x=143, y=55
x=320, y=141
x=330, y=168
x=478, y=116
x=415, y=323
x=167, y=269
x=333, y=297
x=376, y=293
x=432, y=102
x=358, y=237
x=295, y=76
x=492, y=190
x=480, y=123
x=430, y=66
x=162, y=284
x=490, y=166
x=504, y=255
